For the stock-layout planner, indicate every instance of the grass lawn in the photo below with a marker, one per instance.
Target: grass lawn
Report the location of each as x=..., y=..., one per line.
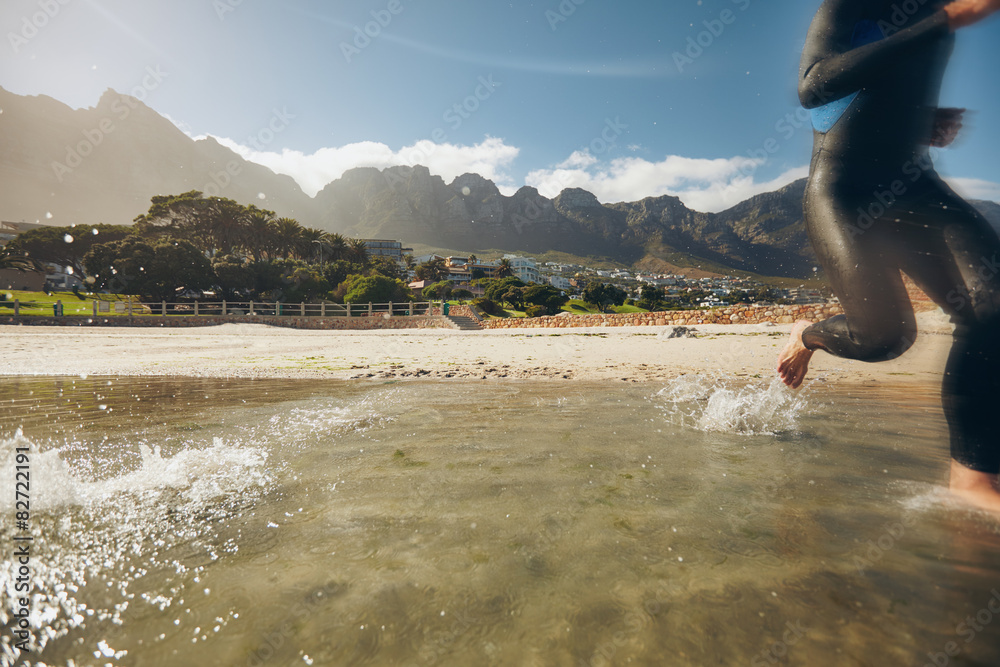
x=40, y=303
x=578, y=307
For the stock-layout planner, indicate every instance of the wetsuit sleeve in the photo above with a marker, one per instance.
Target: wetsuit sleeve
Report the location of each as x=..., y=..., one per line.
x=832, y=68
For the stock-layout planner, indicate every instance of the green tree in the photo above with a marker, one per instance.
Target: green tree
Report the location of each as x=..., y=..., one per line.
x=603, y=296
x=498, y=290
x=158, y=270
x=441, y=290
x=375, y=289
x=288, y=238
x=433, y=270
x=340, y=270
x=651, y=298
x=505, y=268
x=299, y=281
x=65, y=246
x=212, y=224
x=233, y=276
x=339, y=250
x=357, y=251
x=388, y=267
x=259, y=238
x=546, y=296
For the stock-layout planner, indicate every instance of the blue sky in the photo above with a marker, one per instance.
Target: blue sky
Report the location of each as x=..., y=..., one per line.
x=550, y=93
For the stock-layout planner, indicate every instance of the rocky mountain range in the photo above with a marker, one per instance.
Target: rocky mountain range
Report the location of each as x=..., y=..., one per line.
x=103, y=164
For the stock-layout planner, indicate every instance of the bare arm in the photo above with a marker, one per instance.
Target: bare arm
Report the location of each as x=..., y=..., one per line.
x=962, y=13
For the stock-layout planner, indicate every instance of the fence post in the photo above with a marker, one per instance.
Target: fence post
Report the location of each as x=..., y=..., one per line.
x=348, y=304
x=95, y=308
x=322, y=309
x=369, y=309
x=130, y=306
x=223, y=307
x=302, y=309
x=163, y=305
x=390, y=309
x=17, y=307
x=277, y=308
x=196, y=308
x=251, y=309
x=412, y=312
x=59, y=308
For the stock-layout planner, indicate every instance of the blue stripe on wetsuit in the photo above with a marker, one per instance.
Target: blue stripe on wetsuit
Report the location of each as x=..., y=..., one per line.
x=826, y=116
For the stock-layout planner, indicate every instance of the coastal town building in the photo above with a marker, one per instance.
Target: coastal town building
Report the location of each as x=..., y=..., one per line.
x=524, y=268
x=386, y=248
x=22, y=280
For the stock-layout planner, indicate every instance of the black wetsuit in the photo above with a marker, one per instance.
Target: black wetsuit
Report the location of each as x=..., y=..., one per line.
x=874, y=206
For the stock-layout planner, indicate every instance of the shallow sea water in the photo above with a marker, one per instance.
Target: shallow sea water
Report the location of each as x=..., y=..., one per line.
x=695, y=522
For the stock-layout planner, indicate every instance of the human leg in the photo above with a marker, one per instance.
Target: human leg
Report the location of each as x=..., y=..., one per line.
x=878, y=321
x=955, y=258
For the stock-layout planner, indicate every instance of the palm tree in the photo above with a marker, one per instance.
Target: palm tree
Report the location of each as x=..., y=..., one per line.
x=472, y=260
x=259, y=241
x=287, y=237
x=337, y=245
x=505, y=268
x=358, y=251
x=312, y=243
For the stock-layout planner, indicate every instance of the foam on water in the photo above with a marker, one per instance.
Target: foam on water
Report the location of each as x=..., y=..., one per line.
x=323, y=417
x=719, y=405
x=82, y=529
x=198, y=475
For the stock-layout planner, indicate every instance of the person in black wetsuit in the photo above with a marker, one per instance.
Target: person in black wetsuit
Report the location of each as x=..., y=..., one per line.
x=874, y=207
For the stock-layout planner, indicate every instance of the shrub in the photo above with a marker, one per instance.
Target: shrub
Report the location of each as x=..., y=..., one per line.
x=487, y=306
x=536, y=311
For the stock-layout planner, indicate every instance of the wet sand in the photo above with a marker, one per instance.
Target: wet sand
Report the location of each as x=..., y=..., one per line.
x=627, y=354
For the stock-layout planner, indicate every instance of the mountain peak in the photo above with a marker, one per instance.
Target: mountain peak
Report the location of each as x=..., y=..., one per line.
x=576, y=198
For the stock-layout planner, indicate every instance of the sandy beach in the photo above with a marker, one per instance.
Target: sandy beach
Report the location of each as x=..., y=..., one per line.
x=629, y=354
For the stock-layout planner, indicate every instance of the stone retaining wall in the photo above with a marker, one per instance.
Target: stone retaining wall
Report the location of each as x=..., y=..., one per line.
x=333, y=324
x=734, y=315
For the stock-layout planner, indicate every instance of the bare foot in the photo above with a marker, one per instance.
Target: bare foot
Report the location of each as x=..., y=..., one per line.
x=976, y=488
x=793, y=361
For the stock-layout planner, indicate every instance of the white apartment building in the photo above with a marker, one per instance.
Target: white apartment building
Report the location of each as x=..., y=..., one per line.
x=524, y=268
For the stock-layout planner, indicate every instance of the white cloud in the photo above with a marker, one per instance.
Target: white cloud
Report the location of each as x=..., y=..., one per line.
x=490, y=158
x=703, y=185
x=974, y=188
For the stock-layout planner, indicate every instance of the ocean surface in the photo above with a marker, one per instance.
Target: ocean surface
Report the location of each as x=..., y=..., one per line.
x=695, y=522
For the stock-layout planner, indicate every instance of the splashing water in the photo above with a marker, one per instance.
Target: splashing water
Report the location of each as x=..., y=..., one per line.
x=718, y=406
x=82, y=531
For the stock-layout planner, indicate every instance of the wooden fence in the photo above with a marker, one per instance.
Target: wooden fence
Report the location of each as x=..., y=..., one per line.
x=240, y=308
